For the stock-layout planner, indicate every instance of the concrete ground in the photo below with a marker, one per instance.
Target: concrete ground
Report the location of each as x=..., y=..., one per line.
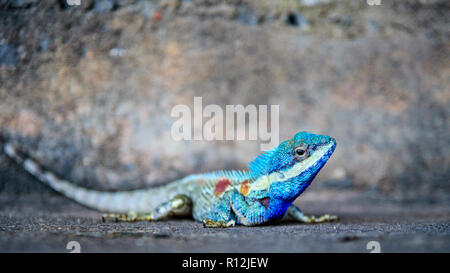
x=46, y=222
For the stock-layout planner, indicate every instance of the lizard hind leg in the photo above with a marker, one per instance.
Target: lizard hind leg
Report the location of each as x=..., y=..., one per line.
x=127, y=217
x=180, y=205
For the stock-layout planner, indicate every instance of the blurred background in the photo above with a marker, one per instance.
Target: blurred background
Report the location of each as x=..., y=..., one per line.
x=87, y=90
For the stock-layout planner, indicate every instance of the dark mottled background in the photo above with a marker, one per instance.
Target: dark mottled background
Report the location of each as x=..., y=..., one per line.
x=88, y=90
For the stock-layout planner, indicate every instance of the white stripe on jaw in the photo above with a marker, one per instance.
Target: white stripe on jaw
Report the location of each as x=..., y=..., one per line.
x=298, y=168
x=265, y=181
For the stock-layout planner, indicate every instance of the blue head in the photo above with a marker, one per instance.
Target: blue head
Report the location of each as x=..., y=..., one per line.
x=292, y=166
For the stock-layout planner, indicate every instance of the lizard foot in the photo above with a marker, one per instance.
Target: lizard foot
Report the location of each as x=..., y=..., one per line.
x=219, y=224
x=129, y=217
x=298, y=215
x=321, y=219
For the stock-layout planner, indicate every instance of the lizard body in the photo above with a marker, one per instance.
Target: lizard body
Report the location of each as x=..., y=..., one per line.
x=259, y=195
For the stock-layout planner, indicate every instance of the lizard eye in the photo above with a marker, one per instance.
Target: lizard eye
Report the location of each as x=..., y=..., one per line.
x=300, y=152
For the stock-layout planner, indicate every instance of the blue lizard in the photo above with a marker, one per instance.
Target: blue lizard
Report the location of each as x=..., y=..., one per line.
x=220, y=199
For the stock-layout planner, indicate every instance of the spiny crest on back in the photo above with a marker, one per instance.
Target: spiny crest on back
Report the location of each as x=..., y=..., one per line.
x=261, y=164
x=271, y=160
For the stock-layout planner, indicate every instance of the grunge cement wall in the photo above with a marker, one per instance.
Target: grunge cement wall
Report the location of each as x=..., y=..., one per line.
x=88, y=90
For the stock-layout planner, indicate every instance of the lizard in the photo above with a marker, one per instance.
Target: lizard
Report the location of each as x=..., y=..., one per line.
x=262, y=194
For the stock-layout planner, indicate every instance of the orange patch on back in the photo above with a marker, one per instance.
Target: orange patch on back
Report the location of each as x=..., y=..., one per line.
x=244, y=188
x=221, y=186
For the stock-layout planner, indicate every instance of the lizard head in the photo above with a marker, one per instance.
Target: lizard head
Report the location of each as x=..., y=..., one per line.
x=295, y=162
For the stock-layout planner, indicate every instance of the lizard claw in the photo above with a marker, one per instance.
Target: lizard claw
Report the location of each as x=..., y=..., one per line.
x=207, y=223
x=117, y=217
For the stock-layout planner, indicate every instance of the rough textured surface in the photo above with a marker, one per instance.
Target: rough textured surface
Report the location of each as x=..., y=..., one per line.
x=88, y=90
x=46, y=223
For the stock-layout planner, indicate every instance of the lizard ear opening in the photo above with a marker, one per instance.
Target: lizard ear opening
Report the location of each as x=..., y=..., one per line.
x=260, y=165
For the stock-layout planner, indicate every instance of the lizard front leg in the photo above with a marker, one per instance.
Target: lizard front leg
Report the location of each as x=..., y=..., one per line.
x=220, y=216
x=298, y=215
x=180, y=205
x=234, y=208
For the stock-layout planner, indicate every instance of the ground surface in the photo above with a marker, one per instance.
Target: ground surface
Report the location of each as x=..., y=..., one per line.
x=47, y=222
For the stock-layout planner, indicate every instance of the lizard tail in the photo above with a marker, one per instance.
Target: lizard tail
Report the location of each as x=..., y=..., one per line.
x=140, y=201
